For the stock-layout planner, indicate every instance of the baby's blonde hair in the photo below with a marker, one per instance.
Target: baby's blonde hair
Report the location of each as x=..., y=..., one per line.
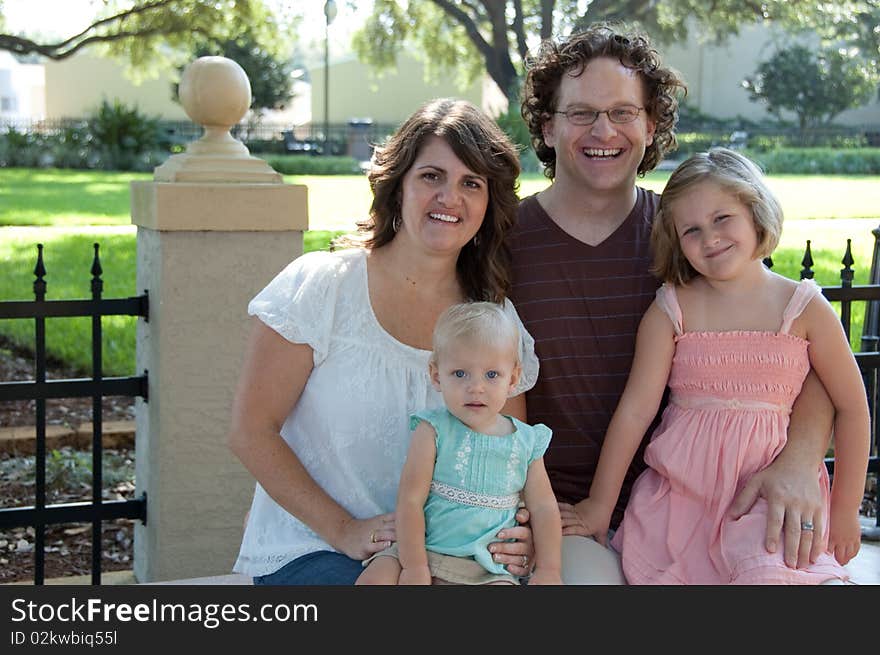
x=483, y=322
x=735, y=174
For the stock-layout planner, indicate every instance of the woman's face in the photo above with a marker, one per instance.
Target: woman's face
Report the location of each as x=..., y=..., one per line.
x=443, y=201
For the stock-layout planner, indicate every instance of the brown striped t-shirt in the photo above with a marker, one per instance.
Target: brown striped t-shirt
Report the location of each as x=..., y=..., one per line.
x=583, y=305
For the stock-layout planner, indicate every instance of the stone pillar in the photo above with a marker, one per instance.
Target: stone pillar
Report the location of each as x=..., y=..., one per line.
x=214, y=226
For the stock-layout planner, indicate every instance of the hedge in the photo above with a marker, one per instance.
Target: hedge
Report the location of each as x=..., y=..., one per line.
x=309, y=165
x=825, y=161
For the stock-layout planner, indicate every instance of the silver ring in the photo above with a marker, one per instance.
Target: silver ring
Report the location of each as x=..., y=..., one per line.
x=807, y=526
x=525, y=561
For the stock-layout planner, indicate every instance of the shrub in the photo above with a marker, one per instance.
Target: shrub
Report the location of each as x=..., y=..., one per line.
x=825, y=161
x=308, y=165
x=122, y=136
x=512, y=123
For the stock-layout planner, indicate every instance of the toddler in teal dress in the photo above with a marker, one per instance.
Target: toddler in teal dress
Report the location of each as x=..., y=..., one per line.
x=468, y=466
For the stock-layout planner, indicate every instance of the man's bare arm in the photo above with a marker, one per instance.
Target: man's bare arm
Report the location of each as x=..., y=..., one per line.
x=790, y=484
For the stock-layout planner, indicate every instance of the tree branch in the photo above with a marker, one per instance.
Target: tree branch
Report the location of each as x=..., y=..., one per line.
x=134, y=11
x=26, y=46
x=547, y=9
x=469, y=25
x=519, y=29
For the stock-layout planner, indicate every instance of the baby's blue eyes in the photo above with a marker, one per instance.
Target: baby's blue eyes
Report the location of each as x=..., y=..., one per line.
x=491, y=375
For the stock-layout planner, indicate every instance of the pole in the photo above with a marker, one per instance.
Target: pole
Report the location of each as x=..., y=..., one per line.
x=327, y=87
x=329, y=15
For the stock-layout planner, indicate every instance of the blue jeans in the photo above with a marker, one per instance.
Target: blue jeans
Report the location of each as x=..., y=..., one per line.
x=320, y=568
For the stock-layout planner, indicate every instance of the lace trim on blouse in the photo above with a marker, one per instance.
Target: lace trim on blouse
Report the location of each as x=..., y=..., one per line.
x=466, y=497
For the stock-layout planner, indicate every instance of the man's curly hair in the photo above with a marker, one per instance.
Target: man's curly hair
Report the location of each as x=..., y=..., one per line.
x=634, y=50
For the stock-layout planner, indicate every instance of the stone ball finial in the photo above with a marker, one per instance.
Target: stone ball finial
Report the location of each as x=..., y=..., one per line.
x=215, y=91
x=216, y=94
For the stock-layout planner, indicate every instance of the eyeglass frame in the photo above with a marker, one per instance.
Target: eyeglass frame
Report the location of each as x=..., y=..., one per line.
x=598, y=113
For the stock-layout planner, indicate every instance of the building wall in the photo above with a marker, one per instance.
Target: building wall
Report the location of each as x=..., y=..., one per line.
x=77, y=85
x=22, y=89
x=357, y=92
x=714, y=75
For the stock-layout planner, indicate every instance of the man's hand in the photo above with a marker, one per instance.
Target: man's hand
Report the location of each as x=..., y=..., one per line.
x=511, y=552
x=794, y=498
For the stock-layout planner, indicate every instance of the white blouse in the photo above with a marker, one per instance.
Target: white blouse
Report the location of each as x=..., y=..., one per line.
x=350, y=427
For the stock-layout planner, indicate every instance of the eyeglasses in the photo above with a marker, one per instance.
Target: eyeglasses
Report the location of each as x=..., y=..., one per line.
x=622, y=114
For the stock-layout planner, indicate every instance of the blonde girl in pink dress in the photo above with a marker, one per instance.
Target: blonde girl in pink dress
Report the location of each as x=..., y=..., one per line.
x=734, y=342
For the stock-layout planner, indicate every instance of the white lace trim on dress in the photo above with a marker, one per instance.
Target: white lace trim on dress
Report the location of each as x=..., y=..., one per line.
x=465, y=497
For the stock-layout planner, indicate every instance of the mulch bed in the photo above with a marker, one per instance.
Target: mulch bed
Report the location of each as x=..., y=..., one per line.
x=68, y=550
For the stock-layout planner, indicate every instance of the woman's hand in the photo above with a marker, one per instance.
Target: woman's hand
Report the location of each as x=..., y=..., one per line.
x=587, y=519
x=361, y=538
x=517, y=555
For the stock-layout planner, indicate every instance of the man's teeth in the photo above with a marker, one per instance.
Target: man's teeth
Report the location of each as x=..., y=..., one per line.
x=601, y=152
x=446, y=218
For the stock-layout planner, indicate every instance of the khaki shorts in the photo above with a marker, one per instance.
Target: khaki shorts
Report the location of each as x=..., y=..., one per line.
x=455, y=570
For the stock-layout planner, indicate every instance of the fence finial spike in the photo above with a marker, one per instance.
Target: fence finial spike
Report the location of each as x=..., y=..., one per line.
x=40, y=268
x=807, y=263
x=848, y=260
x=847, y=273
x=96, y=263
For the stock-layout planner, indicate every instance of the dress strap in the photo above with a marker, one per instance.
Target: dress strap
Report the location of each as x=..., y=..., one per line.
x=803, y=294
x=668, y=301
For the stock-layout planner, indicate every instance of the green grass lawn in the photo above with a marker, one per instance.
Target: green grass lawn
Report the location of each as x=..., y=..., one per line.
x=336, y=202
x=87, y=207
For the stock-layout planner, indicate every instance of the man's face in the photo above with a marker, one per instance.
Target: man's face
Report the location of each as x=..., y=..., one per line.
x=603, y=157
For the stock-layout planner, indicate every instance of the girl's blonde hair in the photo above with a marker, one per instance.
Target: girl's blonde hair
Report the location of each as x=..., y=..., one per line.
x=735, y=174
x=485, y=323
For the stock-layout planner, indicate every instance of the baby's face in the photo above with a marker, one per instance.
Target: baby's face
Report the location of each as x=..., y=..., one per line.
x=475, y=380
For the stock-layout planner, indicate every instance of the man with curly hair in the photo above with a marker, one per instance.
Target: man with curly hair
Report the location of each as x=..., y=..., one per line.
x=601, y=108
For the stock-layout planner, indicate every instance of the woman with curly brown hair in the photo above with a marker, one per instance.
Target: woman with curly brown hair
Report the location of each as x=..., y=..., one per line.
x=601, y=108
x=338, y=357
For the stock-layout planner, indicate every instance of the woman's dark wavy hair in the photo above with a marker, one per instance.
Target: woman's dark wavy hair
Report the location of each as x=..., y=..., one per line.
x=634, y=50
x=484, y=263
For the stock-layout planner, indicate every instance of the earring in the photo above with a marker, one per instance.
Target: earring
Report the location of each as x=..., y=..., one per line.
x=395, y=223
x=476, y=240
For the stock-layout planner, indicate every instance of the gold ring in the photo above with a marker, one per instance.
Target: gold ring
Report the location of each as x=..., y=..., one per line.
x=373, y=537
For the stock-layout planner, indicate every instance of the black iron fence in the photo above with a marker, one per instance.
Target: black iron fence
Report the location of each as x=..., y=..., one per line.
x=97, y=511
x=868, y=358
x=348, y=138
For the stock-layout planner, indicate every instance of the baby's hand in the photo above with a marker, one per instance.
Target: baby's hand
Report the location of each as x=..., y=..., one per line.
x=545, y=577
x=844, y=537
x=419, y=575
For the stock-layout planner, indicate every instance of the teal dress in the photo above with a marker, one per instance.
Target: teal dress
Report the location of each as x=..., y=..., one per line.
x=477, y=482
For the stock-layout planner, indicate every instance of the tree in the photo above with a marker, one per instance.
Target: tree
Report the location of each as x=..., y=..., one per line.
x=472, y=36
x=268, y=70
x=816, y=86
x=150, y=33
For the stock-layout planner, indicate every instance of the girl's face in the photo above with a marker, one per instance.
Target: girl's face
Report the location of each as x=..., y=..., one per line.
x=475, y=380
x=716, y=231
x=444, y=202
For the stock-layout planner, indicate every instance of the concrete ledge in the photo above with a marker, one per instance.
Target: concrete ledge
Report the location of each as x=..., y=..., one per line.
x=127, y=578
x=22, y=440
x=230, y=579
